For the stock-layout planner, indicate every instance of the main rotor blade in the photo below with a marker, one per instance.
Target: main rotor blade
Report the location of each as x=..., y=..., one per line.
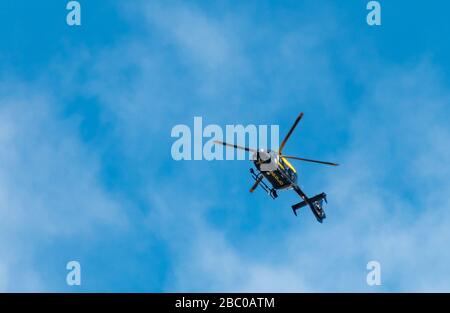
x=234, y=146
x=308, y=160
x=290, y=132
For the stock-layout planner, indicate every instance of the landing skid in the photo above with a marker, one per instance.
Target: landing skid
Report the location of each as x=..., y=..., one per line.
x=258, y=176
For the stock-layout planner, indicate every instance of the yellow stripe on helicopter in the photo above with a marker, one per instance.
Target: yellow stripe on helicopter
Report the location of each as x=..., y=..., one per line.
x=288, y=164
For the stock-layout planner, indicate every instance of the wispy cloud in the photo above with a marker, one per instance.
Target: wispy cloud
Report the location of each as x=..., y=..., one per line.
x=387, y=199
x=49, y=184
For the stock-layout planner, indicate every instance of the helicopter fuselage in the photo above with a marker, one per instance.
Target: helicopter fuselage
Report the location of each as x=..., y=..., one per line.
x=277, y=170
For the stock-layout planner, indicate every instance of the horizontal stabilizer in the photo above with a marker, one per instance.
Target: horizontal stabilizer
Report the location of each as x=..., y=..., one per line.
x=299, y=205
x=316, y=199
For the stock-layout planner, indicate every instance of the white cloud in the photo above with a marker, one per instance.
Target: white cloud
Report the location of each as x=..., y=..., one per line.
x=49, y=185
x=397, y=146
x=197, y=36
x=387, y=200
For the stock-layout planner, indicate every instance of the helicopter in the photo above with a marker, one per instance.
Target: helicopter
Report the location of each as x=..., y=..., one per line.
x=280, y=174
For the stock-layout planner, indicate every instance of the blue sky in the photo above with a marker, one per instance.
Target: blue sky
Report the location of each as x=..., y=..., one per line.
x=86, y=172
